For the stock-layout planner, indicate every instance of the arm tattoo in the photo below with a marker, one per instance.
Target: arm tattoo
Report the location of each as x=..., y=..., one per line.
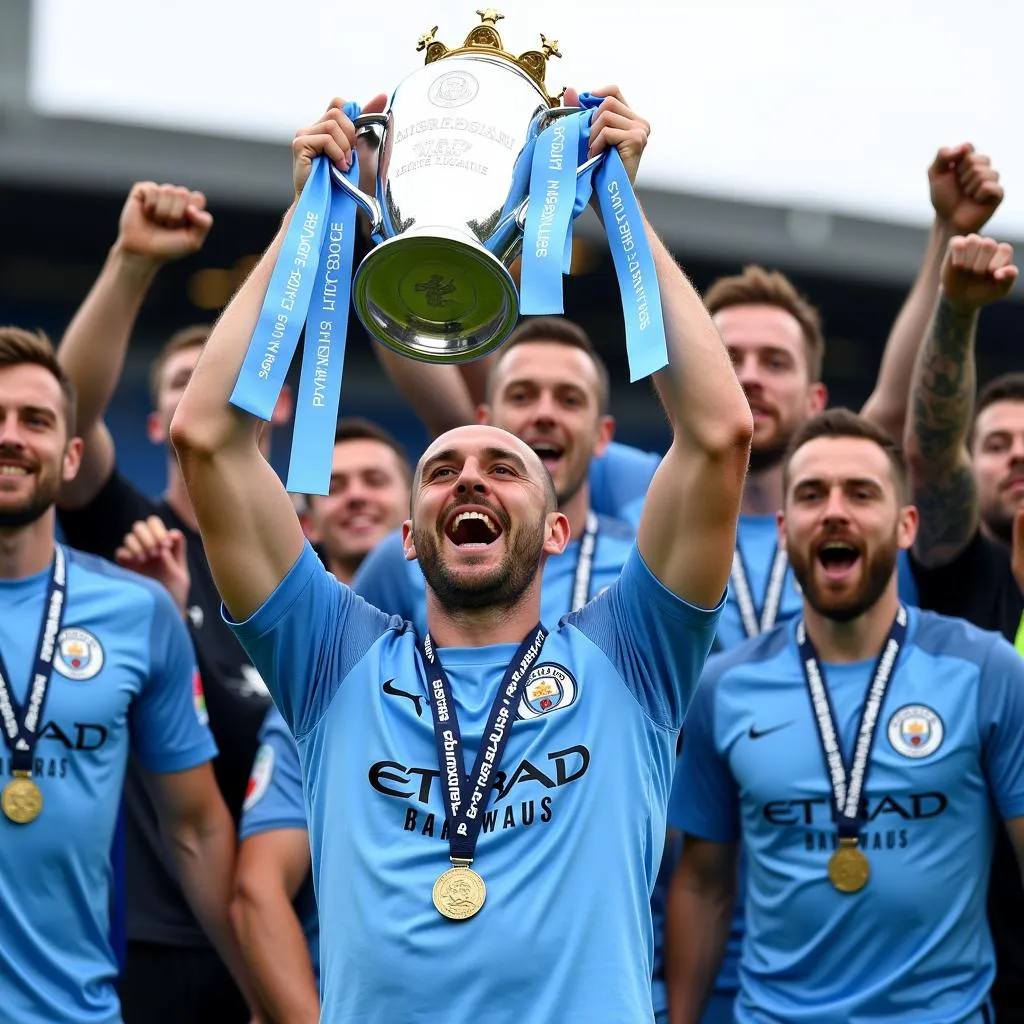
x=942, y=392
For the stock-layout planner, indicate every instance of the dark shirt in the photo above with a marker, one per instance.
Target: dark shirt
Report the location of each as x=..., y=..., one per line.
x=236, y=700
x=979, y=586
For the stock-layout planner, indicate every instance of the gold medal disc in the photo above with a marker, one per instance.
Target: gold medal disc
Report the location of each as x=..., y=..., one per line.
x=848, y=868
x=459, y=893
x=22, y=801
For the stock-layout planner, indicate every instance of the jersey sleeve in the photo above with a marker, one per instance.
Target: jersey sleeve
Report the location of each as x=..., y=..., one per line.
x=383, y=579
x=273, y=798
x=306, y=637
x=1001, y=722
x=169, y=722
x=619, y=480
x=99, y=527
x=704, y=800
x=657, y=641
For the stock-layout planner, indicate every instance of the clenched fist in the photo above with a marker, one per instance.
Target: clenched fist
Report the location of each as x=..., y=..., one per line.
x=160, y=223
x=965, y=188
x=976, y=272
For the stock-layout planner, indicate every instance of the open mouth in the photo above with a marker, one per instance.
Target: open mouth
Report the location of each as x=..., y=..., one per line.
x=837, y=558
x=549, y=453
x=472, y=529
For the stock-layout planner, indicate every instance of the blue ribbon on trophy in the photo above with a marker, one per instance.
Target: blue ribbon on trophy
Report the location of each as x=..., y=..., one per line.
x=474, y=159
x=310, y=286
x=547, y=239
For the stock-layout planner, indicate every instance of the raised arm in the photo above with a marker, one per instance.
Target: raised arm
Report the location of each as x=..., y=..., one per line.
x=975, y=272
x=159, y=224
x=250, y=531
x=965, y=192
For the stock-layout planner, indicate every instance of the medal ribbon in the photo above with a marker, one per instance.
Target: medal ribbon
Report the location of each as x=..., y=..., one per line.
x=585, y=563
x=21, y=724
x=740, y=580
x=465, y=800
x=848, y=780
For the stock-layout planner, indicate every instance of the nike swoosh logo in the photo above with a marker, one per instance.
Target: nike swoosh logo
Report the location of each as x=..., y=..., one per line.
x=393, y=691
x=756, y=734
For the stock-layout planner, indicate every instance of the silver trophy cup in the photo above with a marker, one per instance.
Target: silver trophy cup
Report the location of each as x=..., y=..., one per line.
x=451, y=196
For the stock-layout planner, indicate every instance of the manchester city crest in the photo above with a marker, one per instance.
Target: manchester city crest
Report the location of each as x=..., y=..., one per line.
x=915, y=731
x=79, y=654
x=548, y=688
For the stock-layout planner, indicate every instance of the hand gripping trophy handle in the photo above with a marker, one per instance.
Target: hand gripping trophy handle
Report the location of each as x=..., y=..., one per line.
x=549, y=116
x=375, y=126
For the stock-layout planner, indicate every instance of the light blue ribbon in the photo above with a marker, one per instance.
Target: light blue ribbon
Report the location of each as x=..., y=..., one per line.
x=323, y=355
x=314, y=266
x=283, y=314
x=549, y=216
x=541, y=283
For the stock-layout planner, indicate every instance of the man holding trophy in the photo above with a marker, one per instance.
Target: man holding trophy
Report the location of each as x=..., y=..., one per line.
x=509, y=881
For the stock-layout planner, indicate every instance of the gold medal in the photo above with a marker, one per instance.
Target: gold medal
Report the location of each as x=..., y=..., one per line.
x=848, y=868
x=22, y=800
x=459, y=893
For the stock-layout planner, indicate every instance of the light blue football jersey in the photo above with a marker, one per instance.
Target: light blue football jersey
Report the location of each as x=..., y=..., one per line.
x=397, y=586
x=273, y=800
x=619, y=480
x=123, y=677
x=572, y=839
x=947, y=764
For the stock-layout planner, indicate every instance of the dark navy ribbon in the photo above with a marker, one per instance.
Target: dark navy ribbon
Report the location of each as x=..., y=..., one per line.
x=850, y=778
x=21, y=724
x=465, y=800
x=313, y=268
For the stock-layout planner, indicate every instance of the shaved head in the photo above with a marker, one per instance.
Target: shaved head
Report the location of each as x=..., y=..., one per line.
x=495, y=439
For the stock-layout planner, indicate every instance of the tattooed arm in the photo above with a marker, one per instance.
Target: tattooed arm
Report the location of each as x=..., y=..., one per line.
x=976, y=271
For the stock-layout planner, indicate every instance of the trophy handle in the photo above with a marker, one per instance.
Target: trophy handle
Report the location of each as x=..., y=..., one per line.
x=366, y=125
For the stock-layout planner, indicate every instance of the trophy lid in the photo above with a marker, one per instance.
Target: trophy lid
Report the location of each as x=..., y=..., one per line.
x=484, y=39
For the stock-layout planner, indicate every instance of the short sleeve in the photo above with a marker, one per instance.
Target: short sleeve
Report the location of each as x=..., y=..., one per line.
x=619, y=481
x=169, y=722
x=657, y=641
x=1001, y=723
x=383, y=579
x=273, y=798
x=306, y=637
x=704, y=800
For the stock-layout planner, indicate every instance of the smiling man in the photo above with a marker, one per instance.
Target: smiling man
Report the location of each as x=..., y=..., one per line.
x=549, y=387
x=864, y=757
x=571, y=734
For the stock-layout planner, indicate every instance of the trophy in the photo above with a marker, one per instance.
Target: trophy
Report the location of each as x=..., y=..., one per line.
x=451, y=197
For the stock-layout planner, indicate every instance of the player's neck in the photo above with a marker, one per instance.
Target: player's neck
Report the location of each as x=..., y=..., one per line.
x=762, y=492
x=27, y=550
x=342, y=571
x=575, y=509
x=482, y=627
x=858, y=639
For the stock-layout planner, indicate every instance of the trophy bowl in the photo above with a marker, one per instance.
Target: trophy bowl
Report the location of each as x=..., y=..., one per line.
x=452, y=183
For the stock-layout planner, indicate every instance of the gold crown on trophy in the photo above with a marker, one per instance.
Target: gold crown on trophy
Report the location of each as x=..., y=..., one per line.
x=485, y=39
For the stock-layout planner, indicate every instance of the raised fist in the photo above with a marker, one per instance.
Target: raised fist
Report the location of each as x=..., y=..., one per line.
x=965, y=189
x=976, y=272
x=160, y=223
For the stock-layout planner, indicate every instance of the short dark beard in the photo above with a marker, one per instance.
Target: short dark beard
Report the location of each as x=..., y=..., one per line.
x=36, y=508
x=767, y=456
x=879, y=572
x=502, y=589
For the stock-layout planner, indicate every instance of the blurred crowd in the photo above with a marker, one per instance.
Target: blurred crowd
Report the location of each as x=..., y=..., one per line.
x=838, y=830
